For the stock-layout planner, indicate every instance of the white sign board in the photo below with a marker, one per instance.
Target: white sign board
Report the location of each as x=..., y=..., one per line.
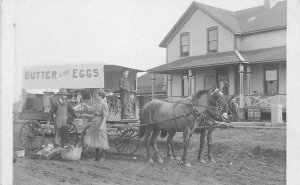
x=63, y=76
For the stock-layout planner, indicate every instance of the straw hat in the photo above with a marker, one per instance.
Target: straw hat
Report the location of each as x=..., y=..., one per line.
x=62, y=92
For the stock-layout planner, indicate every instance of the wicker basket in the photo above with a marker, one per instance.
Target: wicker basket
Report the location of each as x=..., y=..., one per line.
x=71, y=153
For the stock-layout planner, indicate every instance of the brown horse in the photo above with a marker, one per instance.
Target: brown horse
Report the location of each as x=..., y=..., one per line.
x=208, y=123
x=159, y=115
x=233, y=113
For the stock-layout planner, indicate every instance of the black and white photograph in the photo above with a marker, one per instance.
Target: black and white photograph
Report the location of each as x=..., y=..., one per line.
x=149, y=92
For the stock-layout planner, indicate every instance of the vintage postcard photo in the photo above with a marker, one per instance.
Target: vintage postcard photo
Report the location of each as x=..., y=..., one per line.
x=147, y=92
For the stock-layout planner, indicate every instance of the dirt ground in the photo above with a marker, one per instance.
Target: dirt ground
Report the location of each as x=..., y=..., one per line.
x=244, y=157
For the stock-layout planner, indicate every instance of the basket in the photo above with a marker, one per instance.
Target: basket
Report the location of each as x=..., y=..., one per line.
x=20, y=152
x=72, y=153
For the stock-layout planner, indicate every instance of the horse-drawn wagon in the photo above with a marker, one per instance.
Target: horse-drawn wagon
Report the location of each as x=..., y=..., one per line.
x=80, y=81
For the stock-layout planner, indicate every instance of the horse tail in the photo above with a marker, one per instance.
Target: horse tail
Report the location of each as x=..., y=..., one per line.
x=142, y=129
x=163, y=133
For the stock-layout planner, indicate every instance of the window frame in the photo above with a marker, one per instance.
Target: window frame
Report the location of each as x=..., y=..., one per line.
x=269, y=67
x=181, y=46
x=217, y=39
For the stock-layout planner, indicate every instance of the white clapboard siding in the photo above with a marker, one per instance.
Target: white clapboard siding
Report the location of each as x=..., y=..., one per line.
x=262, y=40
x=197, y=27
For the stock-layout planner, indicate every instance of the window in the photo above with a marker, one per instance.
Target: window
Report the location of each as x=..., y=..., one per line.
x=184, y=44
x=212, y=40
x=271, y=80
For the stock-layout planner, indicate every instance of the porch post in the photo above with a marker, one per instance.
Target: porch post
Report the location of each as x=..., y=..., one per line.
x=241, y=72
x=170, y=84
x=249, y=73
x=190, y=82
x=152, y=79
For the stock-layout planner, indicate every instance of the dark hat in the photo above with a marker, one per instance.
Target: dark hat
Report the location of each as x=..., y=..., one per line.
x=62, y=92
x=102, y=94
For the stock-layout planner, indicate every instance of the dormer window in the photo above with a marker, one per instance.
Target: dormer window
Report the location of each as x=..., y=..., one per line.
x=212, y=40
x=185, y=44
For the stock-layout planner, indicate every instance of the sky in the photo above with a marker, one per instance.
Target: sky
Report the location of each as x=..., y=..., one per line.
x=121, y=32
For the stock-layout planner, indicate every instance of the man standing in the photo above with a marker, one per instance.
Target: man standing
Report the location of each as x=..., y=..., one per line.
x=61, y=109
x=125, y=90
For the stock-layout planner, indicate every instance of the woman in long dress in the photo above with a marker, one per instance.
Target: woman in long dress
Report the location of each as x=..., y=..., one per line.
x=95, y=135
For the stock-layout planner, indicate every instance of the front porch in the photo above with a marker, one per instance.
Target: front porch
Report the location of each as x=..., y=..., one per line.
x=256, y=78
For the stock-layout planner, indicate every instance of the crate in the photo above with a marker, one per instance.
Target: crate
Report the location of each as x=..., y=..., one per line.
x=254, y=114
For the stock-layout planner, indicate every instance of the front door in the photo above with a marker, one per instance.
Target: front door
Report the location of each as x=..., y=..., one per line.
x=223, y=80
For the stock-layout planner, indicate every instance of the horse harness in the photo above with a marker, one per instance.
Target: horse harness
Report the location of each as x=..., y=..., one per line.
x=198, y=114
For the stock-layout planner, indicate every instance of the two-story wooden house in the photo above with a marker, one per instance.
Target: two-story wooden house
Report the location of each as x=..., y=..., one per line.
x=243, y=53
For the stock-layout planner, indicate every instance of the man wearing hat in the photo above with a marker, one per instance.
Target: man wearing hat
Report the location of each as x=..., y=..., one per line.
x=61, y=109
x=125, y=90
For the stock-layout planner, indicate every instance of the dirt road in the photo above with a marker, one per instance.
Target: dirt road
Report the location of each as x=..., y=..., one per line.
x=244, y=157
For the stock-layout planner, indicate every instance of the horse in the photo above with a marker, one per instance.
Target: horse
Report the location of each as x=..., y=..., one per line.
x=208, y=123
x=233, y=113
x=160, y=115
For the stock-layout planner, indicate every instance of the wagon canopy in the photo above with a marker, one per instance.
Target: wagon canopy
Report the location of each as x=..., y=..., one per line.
x=98, y=75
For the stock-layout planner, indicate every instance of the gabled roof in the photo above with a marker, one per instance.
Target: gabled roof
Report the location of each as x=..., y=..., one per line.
x=245, y=21
x=226, y=58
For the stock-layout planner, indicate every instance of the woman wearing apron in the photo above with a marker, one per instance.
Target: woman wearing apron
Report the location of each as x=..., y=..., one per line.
x=95, y=135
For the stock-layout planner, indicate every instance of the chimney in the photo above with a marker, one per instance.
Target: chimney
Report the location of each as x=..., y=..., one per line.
x=269, y=4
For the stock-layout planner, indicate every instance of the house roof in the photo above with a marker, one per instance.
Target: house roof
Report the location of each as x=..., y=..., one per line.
x=144, y=83
x=225, y=58
x=256, y=19
x=265, y=55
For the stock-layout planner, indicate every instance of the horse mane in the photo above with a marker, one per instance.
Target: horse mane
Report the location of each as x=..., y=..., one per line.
x=199, y=94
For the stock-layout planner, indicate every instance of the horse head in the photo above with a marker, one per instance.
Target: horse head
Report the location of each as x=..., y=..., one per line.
x=213, y=102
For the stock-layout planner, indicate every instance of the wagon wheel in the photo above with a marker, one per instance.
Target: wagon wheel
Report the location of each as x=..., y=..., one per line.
x=32, y=135
x=73, y=134
x=128, y=141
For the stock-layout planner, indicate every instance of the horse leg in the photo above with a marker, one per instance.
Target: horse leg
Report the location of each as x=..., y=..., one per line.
x=186, y=143
x=154, y=137
x=170, y=145
x=202, y=141
x=147, y=135
x=209, y=145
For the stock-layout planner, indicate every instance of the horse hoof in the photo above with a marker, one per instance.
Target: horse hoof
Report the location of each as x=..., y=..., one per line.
x=160, y=160
x=213, y=161
x=187, y=164
x=151, y=160
x=202, y=161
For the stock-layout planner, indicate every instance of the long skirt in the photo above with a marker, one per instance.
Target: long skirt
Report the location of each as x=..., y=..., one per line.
x=96, y=137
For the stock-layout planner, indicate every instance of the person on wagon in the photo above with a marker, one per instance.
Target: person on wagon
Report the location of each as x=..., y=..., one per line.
x=95, y=135
x=125, y=90
x=61, y=109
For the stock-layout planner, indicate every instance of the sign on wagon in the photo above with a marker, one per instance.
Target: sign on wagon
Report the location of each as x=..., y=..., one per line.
x=63, y=76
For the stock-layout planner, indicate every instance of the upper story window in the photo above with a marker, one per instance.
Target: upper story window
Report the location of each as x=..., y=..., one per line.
x=212, y=39
x=184, y=44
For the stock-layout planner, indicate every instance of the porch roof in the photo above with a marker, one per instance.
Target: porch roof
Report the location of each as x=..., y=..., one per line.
x=197, y=62
x=225, y=58
x=265, y=55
